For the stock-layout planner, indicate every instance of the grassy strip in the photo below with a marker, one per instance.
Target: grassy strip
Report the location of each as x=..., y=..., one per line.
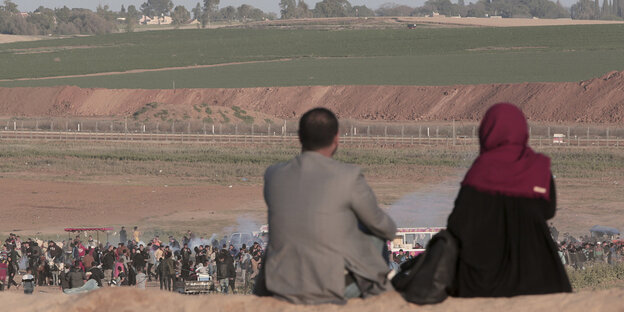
x=597, y=276
x=221, y=164
x=442, y=69
x=513, y=48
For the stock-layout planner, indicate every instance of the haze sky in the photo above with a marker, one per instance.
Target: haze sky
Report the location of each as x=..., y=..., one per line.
x=265, y=5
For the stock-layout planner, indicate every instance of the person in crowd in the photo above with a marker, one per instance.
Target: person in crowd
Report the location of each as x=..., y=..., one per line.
x=162, y=273
x=138, y=259
x=141, y=279
x=123, y=235
x=96, y=273
x=169, y=270
x=108, y=263
x=120, y=269
x=223, y=269
x=13, y=269
x=4, y=269
x=55, y=252
x=76, y=277
x=334, y=216
x=63, y=280
x=88, y=259
x=136, y=235
x=507, y=196
x=151, y=262
x=28, y=282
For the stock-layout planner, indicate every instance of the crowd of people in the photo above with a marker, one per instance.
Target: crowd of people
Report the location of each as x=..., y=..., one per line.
x=72, y=263
x=587, y=250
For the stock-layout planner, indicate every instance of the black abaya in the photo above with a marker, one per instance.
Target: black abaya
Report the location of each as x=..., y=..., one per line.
x=505, y=246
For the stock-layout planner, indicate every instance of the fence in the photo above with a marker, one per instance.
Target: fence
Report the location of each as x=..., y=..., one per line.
x=352, y=132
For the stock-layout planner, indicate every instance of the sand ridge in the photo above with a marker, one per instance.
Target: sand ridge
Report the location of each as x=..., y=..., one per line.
x=132, y=299
x=598, y=100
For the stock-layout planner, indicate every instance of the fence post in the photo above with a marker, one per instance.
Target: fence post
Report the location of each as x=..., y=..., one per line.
x=549, y=133
x=52, y=125
x=173, y=127
x=569, y=139
x=454, y=136
x=96, y=126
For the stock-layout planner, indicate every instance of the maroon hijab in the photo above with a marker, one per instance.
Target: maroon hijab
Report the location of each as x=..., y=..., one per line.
x=506, y=164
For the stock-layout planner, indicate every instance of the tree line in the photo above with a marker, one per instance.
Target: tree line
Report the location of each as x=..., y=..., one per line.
x=65, y=21
x=583, y=9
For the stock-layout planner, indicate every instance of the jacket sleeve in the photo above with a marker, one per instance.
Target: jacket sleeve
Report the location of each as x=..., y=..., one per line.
x=364, y=204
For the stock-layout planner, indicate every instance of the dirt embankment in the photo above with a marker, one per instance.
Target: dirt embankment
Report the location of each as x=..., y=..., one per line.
x=597, y=100
x=132, y=299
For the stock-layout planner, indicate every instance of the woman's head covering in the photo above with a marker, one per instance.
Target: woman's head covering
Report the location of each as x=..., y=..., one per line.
x=506, y=164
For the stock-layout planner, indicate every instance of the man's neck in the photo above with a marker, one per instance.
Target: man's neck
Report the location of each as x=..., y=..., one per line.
x=327, y=152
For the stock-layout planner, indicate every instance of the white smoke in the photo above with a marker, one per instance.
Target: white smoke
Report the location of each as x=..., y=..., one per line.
x=427, y=207
x=197, y=241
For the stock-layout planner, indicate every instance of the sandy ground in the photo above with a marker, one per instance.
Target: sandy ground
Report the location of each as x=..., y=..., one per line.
x=131, y=299
x=43, y=206
x=438, y=21
x=504, y=22
x=599, y=100
x=46, y=207
x=17, y=38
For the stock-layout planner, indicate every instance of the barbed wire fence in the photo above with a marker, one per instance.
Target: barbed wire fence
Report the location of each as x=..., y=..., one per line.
x=351, y=131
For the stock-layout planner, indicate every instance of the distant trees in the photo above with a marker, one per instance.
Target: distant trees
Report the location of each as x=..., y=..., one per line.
x=363, y=11
x=294, y=9
x=333, y=8
x=61, y=21
x=326, y=8
x=587, y=9
x=393, y=9
x=9, y=7
x=66, y=21
x=157, y=7
x=180, y=16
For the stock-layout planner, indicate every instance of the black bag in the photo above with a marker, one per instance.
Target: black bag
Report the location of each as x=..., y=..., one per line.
x=429, y=277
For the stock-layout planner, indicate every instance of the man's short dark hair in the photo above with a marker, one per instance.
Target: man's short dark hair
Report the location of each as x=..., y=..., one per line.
x=317, y=129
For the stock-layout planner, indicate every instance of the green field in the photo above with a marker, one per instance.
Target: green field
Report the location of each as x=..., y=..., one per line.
x=433, y=56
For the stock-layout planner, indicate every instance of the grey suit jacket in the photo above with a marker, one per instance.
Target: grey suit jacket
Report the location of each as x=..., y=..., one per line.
x=317, y=208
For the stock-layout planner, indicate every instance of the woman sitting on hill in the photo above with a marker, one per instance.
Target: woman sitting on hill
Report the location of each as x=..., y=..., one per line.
x=500, y=215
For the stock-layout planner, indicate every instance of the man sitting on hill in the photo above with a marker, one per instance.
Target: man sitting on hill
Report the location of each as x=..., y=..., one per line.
x=327, y=231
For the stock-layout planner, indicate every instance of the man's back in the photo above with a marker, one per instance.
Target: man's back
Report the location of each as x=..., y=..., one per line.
x=318, y=208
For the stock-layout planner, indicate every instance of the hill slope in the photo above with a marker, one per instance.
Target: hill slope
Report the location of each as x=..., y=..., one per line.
x=597, y=100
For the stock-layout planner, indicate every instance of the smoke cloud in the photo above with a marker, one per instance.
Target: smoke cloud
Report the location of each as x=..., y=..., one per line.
x=428, y=207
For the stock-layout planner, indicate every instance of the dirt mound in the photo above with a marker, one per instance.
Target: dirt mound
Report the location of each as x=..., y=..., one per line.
x=132, y=299
x=599, y=100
